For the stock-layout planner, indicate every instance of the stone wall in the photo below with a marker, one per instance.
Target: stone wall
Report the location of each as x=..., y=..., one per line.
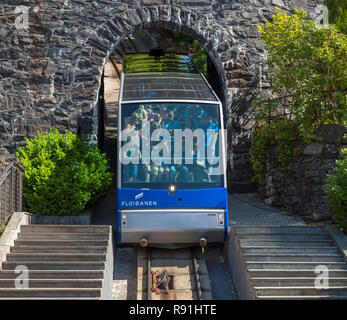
x=301, y=190
x=51, y=68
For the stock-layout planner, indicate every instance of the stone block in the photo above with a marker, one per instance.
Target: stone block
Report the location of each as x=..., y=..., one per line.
x=313, y=149
x=321, y=215
x=330, y=151
x=331, y=133
x=84, y=218
x=277, y=3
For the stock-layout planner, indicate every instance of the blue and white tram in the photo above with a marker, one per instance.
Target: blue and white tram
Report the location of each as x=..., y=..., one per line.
x=171, y=188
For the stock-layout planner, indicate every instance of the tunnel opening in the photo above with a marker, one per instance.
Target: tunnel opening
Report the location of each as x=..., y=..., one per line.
x=144, y=40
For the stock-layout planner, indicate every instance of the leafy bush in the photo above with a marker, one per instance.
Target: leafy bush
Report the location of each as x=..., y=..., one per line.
x=62, y=174
x=337, y=191
x=308, y=67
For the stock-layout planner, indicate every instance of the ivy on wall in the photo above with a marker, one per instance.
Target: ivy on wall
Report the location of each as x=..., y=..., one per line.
x=337, y=191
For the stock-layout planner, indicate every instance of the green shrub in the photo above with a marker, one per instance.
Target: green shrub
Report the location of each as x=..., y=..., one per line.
x=62, y=174
x=307, y=71
x=308, y=67
x=337, y=191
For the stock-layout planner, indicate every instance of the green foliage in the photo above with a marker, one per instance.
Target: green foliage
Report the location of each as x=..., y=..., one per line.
x=4, y=225
x=308, y=68
x=194, y=48
x=2, y=229
x=281, y=135
x=200, y=57
x=338, y=13
x=62, y=173
x=337, y=191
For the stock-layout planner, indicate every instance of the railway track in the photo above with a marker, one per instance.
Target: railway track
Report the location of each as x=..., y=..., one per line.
x=165, y=274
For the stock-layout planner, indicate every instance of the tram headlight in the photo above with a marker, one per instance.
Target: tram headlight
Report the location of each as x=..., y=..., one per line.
x=172, y=189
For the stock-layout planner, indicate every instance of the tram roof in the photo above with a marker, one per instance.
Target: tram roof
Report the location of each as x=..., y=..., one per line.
x=169, y=76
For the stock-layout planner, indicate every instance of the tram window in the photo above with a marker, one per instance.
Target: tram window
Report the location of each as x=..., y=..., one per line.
x=161, y=168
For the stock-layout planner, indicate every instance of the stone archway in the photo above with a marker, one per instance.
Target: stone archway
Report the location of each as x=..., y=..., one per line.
x=52, y=70
x=98, y=47
x=215, y=39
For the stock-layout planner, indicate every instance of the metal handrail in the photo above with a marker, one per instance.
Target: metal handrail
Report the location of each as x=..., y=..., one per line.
x=5, y=172
x=11, y=190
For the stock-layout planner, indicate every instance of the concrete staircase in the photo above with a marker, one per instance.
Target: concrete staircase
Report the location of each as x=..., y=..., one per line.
x=63, y=262
x=280, y=262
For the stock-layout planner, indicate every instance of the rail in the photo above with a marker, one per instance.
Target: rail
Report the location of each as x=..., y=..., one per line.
x=172, y=275
x=11, y=190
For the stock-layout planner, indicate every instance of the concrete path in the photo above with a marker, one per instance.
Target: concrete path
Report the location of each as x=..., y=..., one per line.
x=249, y=209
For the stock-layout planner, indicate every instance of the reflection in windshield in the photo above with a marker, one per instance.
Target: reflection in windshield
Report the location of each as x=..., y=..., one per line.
x=163, y=122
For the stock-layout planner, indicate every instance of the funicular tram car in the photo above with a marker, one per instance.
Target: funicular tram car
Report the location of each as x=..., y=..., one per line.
x=171, y=191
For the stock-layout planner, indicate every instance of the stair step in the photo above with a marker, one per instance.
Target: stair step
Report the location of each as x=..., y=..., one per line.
x=56, y=265
x=18, y=257
x=287, y=243
x=57, y=249
x=288, y=250
x=50, y=292
x=279, y=230
x=294, y=265
x=77, y=243
x=300, y=291
x=336, y=273
x=64, y=262
x=294, y=257
x=285, y=237
x=294, y=281
x=54, y=283
x=63, y=236
x=55, y=274
x=38, y=228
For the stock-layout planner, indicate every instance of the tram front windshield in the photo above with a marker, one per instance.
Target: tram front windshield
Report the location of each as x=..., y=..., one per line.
x=157, y=151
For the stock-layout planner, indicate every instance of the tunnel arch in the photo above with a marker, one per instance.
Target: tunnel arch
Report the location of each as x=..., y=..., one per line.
x=235, y=60
x=98, y=47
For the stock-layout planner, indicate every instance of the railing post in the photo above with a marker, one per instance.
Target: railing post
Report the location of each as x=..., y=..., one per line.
x=11, y=191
